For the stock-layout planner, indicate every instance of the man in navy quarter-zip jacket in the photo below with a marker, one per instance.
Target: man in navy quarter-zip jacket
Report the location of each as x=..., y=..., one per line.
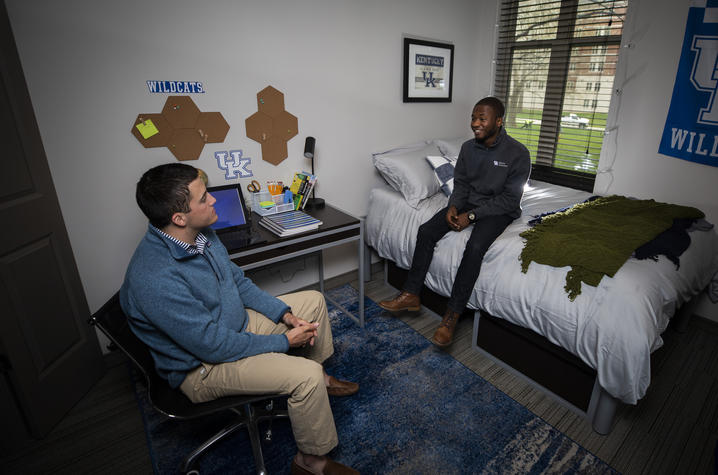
x=489, y=180
x=212, y=332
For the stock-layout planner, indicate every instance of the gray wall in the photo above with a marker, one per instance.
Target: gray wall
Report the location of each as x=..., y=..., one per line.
x=338, y=64
x=646, y=72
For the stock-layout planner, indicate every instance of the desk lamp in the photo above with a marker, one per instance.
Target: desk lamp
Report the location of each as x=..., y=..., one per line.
x=312, y=202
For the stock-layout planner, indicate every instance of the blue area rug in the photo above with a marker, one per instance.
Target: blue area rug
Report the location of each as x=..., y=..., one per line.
x=418, y=411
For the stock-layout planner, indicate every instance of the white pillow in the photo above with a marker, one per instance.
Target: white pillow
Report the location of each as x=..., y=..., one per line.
x=408, y=173
x=450, y=147
x=444, y=171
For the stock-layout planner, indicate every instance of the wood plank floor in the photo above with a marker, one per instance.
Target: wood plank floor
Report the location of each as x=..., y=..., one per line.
x=674, y=429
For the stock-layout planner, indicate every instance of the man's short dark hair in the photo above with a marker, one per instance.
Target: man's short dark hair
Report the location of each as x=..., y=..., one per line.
x=495, y=104
x=164, y=190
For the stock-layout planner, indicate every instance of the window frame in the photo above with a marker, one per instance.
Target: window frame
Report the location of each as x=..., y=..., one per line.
x=557, y=84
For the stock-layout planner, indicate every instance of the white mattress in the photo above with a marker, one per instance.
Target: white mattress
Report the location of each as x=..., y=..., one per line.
x=613, y=327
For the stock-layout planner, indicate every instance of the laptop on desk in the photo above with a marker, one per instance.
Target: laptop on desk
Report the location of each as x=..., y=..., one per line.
x=234, y=222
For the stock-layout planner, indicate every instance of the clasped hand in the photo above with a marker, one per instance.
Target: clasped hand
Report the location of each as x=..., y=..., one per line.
x=301, y=333
x=456, y=221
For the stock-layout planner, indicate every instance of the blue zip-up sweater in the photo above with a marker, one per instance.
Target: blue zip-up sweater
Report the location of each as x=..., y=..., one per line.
x=490, y=180
x=190, y=308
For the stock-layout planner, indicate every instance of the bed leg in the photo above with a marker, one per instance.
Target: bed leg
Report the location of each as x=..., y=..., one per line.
x=683, y=315
x=603, y=410
x=367, y=262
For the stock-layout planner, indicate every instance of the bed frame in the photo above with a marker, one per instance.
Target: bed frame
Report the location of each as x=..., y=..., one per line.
x=533, y=358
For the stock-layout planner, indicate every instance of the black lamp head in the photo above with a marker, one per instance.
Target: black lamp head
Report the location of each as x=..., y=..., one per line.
x=309, y=147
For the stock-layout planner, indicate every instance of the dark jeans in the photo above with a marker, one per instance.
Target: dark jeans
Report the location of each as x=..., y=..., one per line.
x=485, y=232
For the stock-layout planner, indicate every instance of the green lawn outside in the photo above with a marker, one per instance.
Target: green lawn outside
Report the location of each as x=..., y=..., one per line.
x=571, y=147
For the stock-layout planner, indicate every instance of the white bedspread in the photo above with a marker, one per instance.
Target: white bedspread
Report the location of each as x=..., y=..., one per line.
x=613, y=327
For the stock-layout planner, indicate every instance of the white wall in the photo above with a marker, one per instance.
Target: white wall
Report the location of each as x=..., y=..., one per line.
x=338, y=63
x=645, y=75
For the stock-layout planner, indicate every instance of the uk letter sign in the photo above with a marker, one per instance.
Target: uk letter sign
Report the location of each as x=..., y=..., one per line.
x=691, y=131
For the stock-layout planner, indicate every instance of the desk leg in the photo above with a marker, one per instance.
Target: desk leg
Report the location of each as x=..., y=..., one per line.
x=320, y=258
x=361, y=269
x=362, y=251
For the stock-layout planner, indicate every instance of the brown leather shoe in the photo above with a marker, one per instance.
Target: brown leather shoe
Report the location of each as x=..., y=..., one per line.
x=331, y=468
x=337, y=387
x=444, y=335
x=403, y=301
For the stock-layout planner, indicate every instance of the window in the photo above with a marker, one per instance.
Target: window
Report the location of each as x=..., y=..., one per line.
x=559, y=43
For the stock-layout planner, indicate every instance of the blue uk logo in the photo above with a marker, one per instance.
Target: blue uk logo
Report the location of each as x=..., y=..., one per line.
x=233, y=164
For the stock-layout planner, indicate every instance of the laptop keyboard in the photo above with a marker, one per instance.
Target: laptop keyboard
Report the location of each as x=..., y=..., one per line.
x=241, y=238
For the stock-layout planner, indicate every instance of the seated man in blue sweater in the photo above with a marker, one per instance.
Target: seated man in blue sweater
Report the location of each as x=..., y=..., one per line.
x=212, y=332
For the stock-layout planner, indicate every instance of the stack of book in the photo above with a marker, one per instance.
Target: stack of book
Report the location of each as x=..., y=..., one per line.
x=290, y=222
x=302, y=185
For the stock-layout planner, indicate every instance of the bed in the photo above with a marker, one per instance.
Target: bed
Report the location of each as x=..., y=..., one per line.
x=594, y=352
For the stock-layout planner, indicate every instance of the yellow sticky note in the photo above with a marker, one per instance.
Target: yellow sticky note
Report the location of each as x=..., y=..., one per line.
x=147, y=129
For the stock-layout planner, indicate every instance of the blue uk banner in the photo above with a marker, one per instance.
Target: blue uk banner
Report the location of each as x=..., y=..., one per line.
x=691, y=130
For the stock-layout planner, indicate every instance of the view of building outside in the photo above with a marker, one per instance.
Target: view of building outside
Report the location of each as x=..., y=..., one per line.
x=563, y=58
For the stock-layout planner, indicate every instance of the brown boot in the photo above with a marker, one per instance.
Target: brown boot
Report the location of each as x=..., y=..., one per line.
x=403, y=301
x=444, y=335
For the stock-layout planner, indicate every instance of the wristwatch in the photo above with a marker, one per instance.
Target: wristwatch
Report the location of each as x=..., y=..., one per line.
x=471, y=216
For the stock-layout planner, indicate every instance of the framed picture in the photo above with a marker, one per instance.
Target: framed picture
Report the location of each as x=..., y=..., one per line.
x=428, y=71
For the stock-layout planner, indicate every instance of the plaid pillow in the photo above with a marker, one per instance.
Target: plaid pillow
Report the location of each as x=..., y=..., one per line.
x=444, y=171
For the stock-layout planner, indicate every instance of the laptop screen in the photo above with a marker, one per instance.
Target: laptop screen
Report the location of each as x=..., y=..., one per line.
x=230, y=208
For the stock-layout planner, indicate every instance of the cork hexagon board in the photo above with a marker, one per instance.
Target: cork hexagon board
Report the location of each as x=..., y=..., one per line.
x=181, y=127
x=271, y=125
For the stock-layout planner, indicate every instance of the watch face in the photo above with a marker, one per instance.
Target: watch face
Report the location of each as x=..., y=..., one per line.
x=472, y=217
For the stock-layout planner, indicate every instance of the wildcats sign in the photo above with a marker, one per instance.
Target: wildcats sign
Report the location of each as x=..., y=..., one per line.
x=691, y=130
x=173, y=87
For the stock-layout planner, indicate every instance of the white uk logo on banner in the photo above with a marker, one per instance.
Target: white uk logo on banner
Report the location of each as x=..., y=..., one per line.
x=703, y=75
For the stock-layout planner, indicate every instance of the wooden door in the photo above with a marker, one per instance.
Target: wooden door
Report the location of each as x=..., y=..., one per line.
x=49, y=355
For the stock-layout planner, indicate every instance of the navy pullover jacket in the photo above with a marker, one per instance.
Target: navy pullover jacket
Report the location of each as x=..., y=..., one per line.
x=490, y=180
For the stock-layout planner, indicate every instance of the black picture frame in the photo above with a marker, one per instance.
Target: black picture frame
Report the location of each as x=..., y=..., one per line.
x=431, y=58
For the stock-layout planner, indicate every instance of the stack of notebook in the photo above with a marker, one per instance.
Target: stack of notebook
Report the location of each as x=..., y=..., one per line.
x=290, y=222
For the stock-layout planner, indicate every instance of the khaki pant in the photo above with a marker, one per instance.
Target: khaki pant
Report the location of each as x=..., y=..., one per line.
x=299, y=377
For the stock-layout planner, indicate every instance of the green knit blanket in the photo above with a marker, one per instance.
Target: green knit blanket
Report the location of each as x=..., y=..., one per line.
x=595, y=238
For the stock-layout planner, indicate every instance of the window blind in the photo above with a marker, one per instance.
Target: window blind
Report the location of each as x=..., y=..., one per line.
x=555, y=65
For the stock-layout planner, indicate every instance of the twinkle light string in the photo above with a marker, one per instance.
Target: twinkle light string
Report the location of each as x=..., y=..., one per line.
x=624, y=63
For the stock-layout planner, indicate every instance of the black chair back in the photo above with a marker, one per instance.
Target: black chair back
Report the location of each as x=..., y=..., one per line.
x=112, y=321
